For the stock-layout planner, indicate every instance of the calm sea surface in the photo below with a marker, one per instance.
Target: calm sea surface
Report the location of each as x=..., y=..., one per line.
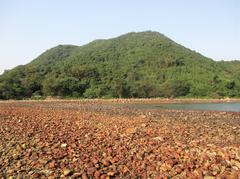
x=234, y=107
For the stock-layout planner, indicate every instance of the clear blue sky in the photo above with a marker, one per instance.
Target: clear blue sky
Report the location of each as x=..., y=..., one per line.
x=28, y=27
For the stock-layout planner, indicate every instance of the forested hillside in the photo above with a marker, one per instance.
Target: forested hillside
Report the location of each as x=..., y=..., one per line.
x=139, y=65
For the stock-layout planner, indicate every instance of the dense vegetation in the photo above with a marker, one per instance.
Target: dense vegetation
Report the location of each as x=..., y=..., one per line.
x=145, y=64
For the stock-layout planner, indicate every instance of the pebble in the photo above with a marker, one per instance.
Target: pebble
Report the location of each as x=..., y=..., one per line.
x=67, y=172
x=84, y=176
x=63, y=145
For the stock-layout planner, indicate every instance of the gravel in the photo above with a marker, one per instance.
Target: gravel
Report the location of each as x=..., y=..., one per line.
x=101, y=139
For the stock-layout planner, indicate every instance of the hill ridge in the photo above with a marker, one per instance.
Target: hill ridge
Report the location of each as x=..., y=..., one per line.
x=136, y=64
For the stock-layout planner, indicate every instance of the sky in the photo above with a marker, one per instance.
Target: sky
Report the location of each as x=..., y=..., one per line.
x=28, y=28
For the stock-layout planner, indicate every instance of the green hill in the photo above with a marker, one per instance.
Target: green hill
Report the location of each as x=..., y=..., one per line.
x=144, y=64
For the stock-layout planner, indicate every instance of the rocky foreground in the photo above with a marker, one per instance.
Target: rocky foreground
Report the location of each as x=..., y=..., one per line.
x=98, y=139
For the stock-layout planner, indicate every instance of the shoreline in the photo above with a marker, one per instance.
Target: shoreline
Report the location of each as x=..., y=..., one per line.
x=136, y=100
